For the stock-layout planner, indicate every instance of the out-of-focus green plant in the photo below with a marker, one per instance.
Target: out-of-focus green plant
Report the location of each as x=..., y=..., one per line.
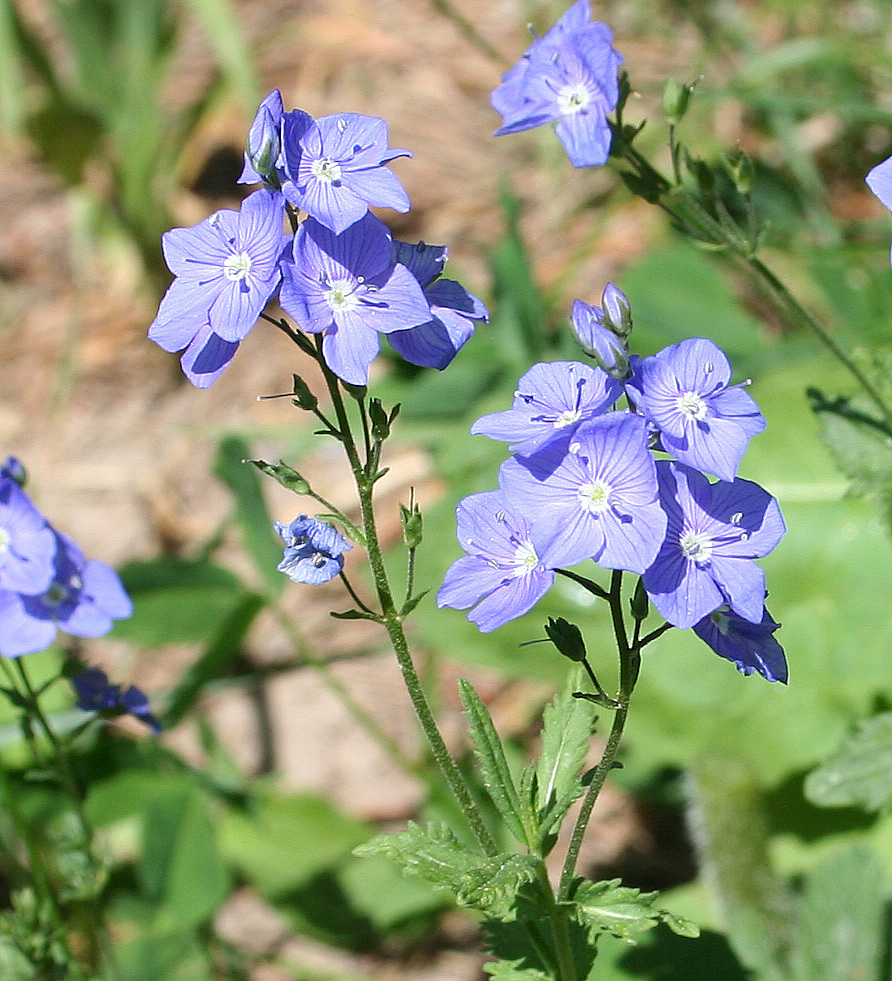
x=94, y=95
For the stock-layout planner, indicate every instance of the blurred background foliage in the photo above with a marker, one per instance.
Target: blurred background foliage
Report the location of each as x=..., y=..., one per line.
x=749, y=777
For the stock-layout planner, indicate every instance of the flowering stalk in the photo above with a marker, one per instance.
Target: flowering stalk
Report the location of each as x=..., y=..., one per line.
x=391, y=619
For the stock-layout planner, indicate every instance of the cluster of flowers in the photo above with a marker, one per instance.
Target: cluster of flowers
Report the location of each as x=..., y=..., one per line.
x=583, y=483
x=47, y=584
x=339, y=274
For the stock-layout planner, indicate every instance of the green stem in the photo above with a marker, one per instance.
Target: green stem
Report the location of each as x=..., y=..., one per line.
x=627, y=674
x=557, y=916
x=393, y=625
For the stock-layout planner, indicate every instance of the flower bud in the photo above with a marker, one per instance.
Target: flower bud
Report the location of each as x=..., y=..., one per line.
x=380, y=422
x=303, y=397
x=617, y=310
x=598, y=340
x=12, y=469
x=411, y=520
x=263, y=145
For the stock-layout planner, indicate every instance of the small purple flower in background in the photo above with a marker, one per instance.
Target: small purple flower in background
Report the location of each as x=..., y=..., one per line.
x=27, y=543
x=335, y=167
x=227, y=268
x=750, y=646
x=595, y=337
x=96, y=694
x=501, y=573
x=551, y=402
x=349, y=288
x=454, y=310
x=83, y=598
x=569, y=75
x=683, y=390
x=263, y=145
x=714, y=533
x=598, y=501
x=313, y=550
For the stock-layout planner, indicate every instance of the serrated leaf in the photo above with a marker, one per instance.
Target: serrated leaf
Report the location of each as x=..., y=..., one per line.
x=567, y=728
x=434, y=854
x=841, y=933
x=623, y=912
x=514, y=971
x=493, y=765
x=860, y=772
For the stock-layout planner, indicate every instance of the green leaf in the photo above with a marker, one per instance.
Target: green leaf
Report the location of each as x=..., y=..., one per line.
x=491, y=756
x=284, y=842
x=859, y=772
x=609, y=907
x=860, y=444
x=251, y=512
x=841, y=934
x=178, y=601
x=730, y=827
x=222, y=651
x=181, y=869
x=567, y=728
x=221, y=23
x=434, y=854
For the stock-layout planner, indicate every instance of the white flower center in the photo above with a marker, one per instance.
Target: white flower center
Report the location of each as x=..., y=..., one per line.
x=5, y=539
x=237, y=266
x=691, y=405
x=696, y=546
x=327, y=170
x=573, y=98
x=341, y=295
x=318, y=559
x=525, y=559
x=567, y=418
x=595, y=497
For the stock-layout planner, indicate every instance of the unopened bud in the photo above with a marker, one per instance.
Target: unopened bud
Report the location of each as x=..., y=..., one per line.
x=617, y=310
x=12, y=469
x=263, y=144
x=598, y=341
x=639, y=603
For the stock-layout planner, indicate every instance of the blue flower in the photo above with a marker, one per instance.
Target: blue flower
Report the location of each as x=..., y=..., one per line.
x=349, y=288
x=27, y=543
x=96, y=694
x=454, y=311
x=226, y=268
x=750, y=646
x=683, y=390
x=83, y=598
x=714, y=532
x=598, y=500
x=569, y=75
x=313, y=550
x=551, y=402
x=335, y=167
x=501, y=573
